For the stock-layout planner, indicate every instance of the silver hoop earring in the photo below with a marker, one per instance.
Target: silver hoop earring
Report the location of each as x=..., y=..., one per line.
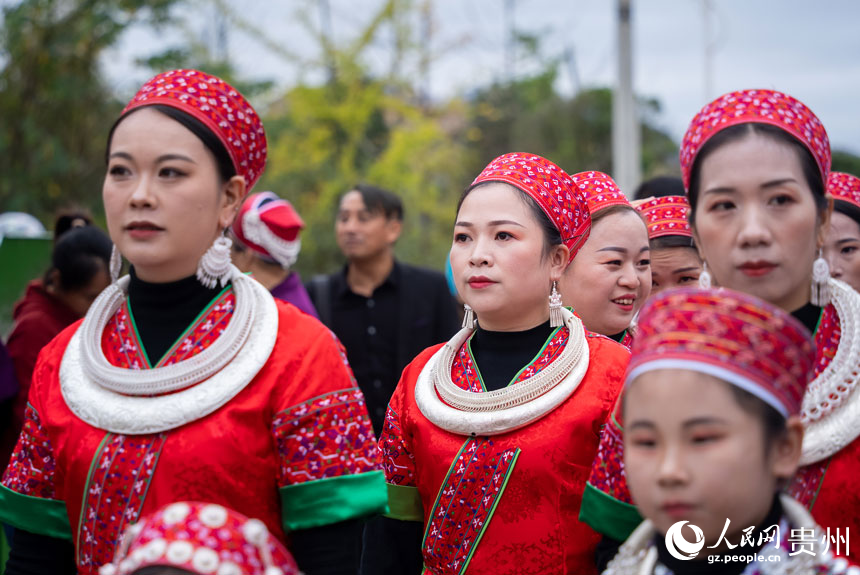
x=468, y=317
x=215, y=266
x=820, y=282
x=555, y=316
x=705, y=277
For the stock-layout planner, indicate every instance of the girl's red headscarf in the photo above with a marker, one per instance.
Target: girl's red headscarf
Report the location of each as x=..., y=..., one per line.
x=220, y=107
x=756, y=107
x=550, y=187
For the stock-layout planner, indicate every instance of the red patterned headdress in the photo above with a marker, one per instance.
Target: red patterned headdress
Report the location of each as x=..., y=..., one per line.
x=600, y=191
x=550, y=187
x=756, y=107
x=732, y=336
x=220, y=107
x=666, y=216
x=201, y=538
x=269, y=226
x=844, y=188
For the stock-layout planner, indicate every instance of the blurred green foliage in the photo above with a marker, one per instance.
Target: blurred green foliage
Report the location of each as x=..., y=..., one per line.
x=355, y=126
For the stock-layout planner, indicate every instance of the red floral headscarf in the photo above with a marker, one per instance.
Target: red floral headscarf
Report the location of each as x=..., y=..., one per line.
x=550, y=187
x=220, y=107
x=757, y=107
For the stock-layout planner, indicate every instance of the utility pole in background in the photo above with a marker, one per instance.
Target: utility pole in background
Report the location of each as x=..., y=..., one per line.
x=707, y=11
x=424, y=63
x=325, y=30
x=626, y=133
x=510, y=42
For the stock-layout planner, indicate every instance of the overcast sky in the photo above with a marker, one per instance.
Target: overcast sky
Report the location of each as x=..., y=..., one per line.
x=808, y=48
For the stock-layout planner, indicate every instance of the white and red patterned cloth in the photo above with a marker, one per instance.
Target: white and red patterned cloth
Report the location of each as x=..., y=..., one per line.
x=844, y=188
x=201, y=538
x=600, y=191
x=551, y=187
x=666, y=216
x=220, y=107
x=733, y=336
x=269, y=226
x=755, y=106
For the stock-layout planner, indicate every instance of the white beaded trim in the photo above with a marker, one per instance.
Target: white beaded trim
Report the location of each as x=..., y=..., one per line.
x=110, y=410
x=831, y=406
x=511, y=409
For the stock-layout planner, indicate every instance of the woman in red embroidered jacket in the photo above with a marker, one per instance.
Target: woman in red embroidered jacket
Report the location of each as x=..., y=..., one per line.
x=488, y=438
x=755, y=166
x=610, y=278
x=178, y=387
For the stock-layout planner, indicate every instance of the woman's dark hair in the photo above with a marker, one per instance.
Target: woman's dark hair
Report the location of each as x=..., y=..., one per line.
x=226, y=169
x=659, y=187
x=78, y=256
x=69, y=219
x=740, y=131
x=551, y=235
x=380, y=201
x=666, y=242
x=847, y=209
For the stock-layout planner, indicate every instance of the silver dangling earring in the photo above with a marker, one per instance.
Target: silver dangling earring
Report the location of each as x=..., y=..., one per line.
x=705, y=277
x=555, y=316
x=115, y=264
x=216, y=266
x=468, y=317
x=820, y=282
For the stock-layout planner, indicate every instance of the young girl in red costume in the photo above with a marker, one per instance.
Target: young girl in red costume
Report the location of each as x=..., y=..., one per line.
x=610, y=278
x=488, y=438
x=712, y=403
x=186, y=379
x=755, y=166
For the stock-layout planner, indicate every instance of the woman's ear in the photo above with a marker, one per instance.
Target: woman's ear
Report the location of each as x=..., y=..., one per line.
x=558, y=258
x=232, y=195
x=786, y=450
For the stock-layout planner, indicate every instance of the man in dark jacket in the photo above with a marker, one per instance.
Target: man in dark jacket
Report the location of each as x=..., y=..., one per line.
x=385, y=312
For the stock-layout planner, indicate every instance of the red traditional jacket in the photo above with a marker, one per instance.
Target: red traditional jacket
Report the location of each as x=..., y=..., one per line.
x=830, y=489
x=293, y=448
x=507, y=503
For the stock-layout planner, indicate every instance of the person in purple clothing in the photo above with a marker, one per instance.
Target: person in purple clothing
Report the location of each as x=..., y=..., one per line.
x=267, y=245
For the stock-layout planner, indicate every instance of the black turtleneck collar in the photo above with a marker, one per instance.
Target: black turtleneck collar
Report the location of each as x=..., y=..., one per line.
x=809, y=315
x=500, y=355
x=701, y=566
x=163, y=311
x=618, y=336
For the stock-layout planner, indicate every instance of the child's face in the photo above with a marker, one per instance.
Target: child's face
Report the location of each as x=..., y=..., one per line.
x=693, y=454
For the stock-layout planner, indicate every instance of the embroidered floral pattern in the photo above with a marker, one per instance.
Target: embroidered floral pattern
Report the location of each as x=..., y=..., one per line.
x=465, y=375
x=600, y=191
x=465, y=504
x=122, y=346
x=32, y=467
x=397, y=461
x=116, y=488
x=607, y=472
x=327, y=436
x=666, y=216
